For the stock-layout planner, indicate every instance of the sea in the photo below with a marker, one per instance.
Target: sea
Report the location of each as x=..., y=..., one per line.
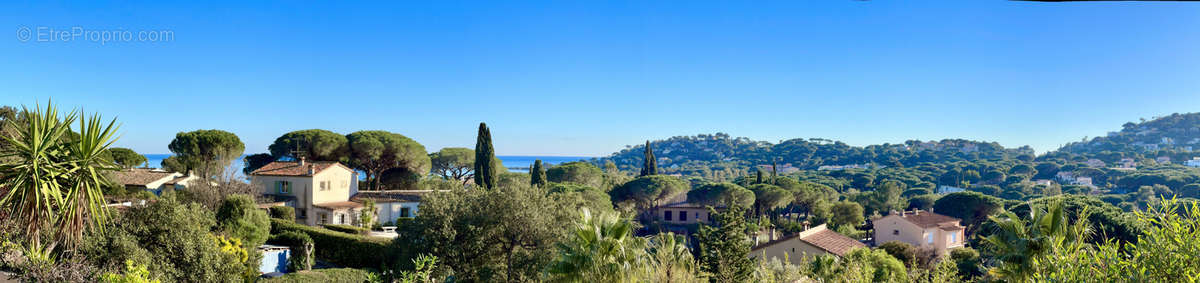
x=514, y=163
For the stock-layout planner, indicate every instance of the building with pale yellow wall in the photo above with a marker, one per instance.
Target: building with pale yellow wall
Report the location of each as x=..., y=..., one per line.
x=808, y=243
x=922, y=229
x=319, y=191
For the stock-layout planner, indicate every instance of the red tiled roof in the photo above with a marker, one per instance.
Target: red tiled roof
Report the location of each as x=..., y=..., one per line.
x=928, y=219
x=338, y=205
x=392, y=196
x=824, y=239
x=832, y=242
x=138, y=176
x=292, y=168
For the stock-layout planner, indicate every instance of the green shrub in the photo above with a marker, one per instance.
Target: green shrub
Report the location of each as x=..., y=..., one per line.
x=346, y=229
x=239, y=217
x=283, y=212
x=342, y=248
x=302, y=249
x=336, y=275
x=173, y=240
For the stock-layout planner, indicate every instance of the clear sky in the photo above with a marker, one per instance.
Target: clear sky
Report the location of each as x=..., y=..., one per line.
x=589, y=77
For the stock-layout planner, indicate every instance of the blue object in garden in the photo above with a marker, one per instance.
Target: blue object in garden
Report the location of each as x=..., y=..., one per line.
x=275, y=258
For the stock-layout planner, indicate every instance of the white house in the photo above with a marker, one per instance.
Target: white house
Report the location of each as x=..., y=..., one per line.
x=944, y=189
x=1195, y=162
x=394, y=204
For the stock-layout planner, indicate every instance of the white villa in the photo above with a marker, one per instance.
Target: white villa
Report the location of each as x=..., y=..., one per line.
x=326, y=192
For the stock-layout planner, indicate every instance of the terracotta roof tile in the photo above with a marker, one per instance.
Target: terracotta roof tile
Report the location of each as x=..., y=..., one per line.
x=832, y=242
x=292, y=168
x=138, y=176
x=391, y=196
x=928, y=219
x=338, y=205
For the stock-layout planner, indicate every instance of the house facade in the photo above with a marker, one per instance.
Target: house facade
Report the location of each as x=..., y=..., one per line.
x=319, y=191
x=922, y=229
x=683, y=213
x=808, y=243
x=390, y=206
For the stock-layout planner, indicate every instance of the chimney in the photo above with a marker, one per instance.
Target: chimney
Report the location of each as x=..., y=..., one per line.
x=312, y=170
x=302, y=161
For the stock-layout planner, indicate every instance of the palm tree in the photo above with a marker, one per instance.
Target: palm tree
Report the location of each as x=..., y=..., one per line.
x=670, y=260
x=1022, y=246
x=54, y=174
x=601, y=249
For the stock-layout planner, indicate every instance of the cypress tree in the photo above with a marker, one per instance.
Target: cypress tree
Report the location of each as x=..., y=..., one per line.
x=485, y=166
x=774, y=174
x=649, y=163
x=759, y=179
x=537, y=174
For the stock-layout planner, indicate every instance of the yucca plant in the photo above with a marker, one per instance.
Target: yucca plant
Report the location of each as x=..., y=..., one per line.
x=53, y=173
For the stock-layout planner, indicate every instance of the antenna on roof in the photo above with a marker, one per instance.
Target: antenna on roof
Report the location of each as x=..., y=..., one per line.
x=298, y=154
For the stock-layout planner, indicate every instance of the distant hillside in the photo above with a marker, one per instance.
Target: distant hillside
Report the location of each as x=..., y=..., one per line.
x=1162, y=136
x=720, y=155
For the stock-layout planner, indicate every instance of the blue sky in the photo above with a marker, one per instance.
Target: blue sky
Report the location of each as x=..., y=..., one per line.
x=589, y=77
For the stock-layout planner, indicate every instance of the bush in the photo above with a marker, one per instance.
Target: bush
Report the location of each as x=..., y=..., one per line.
x=342, y=248
x=238, y=216
x=346, y=229
x=902, y=251
x=283, y=212
x=302, y=249
x=336, y=275
x=173, y=240
x=967, y=261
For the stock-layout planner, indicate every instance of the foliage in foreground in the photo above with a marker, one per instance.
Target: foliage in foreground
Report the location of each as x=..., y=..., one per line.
x=602, y=248
x=55, y=177
x=173, y=240
x=332, y=275
x=1049, y=249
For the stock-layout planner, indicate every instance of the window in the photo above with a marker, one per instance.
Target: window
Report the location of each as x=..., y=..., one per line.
x=929, y=238
x=283, y=187
x=323, y=186
x=895, y=232
x=667, y=215
x=303, y=213
x=324, y=218
x=404, y=212
x=342, y=219
x=683, y=216
x=953, y=237
x=696, y=216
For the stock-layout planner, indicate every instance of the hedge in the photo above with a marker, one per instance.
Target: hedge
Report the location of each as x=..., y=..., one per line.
x=337, y=275
x=347, y=229
x=283, y=212
x=343, y=249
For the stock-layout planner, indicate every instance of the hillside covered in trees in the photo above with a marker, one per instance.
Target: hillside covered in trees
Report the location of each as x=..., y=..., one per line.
x=721, y=156
x=1175, y=136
